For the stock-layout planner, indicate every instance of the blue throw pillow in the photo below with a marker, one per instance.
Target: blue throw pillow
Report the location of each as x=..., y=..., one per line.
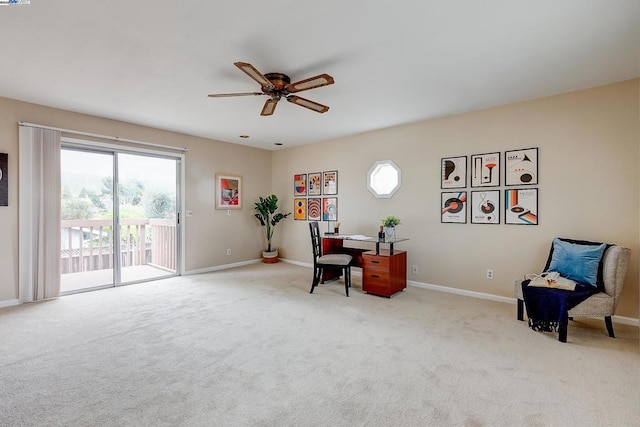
x=577, y=262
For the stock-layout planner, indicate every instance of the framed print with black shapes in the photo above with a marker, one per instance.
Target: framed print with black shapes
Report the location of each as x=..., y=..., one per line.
x=453, y=207
x=485, y=170
x=453, y=172
x=485, y=207
x=521, y=167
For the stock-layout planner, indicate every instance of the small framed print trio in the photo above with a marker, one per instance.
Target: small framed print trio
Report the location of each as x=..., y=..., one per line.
x=520, y=204
x=315, y=184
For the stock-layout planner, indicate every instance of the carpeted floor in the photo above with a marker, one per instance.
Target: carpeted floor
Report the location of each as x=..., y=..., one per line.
x=251, y=347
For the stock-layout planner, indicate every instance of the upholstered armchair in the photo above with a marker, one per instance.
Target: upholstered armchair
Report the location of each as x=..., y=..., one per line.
x=601, y=304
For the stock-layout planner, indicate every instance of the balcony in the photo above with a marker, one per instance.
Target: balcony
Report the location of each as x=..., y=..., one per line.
x=147, y=250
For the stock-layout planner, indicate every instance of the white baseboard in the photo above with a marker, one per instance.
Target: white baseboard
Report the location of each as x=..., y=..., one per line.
x=618, y=319
x=222, y=267
x=9, y=303
x=463, y=292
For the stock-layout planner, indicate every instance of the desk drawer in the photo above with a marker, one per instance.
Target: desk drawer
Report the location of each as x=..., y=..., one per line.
x=375, y=262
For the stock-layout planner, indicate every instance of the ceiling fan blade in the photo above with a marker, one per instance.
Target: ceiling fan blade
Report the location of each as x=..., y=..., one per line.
x=269, y=106
x=223, y=95
x=256, y=75
x=310, y=83
x=303, y=102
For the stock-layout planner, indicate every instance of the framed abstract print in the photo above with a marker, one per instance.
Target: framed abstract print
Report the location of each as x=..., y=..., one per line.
x=330, y=183
x=329, y=208
x=521, y=206
x=300, y=209
x=228, y=192
x=453, y=172
x=314, y=209
x=521, y=167
x=485, y=170
x=314, y=184
x=453, y=207
x=485, y=207
x=300, y=184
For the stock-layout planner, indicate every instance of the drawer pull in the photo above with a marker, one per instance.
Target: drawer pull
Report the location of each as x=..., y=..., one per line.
x=375, y=276
x=375, y=262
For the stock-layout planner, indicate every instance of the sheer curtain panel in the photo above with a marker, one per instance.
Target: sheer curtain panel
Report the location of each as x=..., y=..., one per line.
x=39, y=214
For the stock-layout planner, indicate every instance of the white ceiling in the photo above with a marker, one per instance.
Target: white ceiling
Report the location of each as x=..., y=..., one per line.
x=153, y=62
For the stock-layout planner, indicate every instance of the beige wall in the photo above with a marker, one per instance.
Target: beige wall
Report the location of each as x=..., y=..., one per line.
x=589, y=186
x=208, y=233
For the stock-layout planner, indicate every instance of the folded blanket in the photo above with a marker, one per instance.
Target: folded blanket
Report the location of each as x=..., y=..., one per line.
x=546, y=307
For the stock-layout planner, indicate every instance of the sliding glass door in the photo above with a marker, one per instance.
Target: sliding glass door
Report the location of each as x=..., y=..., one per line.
x=119, y=220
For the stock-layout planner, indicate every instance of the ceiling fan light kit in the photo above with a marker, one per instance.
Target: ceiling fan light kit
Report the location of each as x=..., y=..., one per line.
x=278, y=85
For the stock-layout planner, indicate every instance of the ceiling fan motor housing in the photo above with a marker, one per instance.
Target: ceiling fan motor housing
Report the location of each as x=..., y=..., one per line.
x=279, y=80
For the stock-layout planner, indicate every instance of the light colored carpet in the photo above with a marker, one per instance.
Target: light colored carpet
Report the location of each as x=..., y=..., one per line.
x=251, y=347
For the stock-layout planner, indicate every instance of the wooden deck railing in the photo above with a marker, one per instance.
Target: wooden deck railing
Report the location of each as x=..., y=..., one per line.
x=88, y=245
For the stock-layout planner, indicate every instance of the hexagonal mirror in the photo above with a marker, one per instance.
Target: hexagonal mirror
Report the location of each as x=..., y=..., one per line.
x=384, y=179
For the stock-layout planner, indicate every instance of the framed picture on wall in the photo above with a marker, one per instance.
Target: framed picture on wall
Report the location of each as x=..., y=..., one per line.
x=330, y=183
x=485, y=170
x=314, y=184
x=329, y=208
x=453, y=207
x=485, y=207
x=314, y=209
x=4, y=179
x=228, y=192
x=300, y=184
x=521, y=206
x=454, y=172
x=521, y=167
x=300, y=209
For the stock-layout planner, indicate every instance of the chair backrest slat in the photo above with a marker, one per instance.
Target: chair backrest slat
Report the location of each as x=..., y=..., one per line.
x=316, y=241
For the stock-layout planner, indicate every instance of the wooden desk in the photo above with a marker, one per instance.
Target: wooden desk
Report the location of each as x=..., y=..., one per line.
x=384, y=272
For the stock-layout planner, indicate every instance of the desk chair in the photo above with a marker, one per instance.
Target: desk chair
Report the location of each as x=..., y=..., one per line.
x=330, y=262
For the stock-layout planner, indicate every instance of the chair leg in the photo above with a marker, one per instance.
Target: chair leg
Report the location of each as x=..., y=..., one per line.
x=562, y=328
x=347, y=280
x=607, y=321
x=317, y=272
x=520, y=309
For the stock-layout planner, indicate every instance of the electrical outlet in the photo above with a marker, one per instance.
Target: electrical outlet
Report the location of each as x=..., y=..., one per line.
x=489, y=273
x=229, y=212
x=414, y=269
x=229, y=251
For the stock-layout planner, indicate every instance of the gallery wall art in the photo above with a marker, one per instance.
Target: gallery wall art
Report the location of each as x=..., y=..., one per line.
x=521, y=168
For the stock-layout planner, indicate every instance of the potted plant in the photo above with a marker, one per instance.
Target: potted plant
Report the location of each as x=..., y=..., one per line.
x=268, y=218
x=389, y=223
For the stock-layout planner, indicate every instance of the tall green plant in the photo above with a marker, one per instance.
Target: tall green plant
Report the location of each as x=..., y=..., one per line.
x=268, y=217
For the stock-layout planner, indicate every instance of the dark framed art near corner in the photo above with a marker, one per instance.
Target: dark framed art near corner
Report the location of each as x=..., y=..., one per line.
x=4, y=179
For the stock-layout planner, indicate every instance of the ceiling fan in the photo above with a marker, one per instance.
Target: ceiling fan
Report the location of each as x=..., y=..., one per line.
x=277, y=86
